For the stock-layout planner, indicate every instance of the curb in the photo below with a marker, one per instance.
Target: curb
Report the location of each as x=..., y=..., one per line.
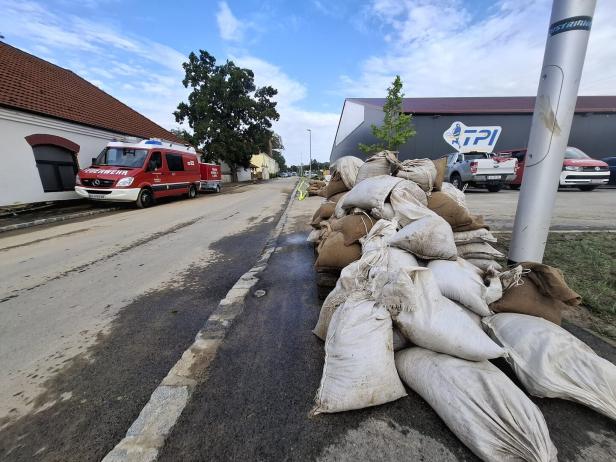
x=147, y=435
x=44, y=221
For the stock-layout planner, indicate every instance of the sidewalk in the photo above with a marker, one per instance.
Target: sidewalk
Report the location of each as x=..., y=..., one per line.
x=255, y=401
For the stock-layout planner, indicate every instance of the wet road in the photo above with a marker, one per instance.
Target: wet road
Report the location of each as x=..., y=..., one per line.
x=94, y=313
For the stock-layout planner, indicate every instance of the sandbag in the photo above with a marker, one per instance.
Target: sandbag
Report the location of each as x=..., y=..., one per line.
x=478, y=250
x=335, y=186
x=441, y=168
x=359, y=368
x=380, y=163
x=429, y=238
x=400, y=260
x=325, y=211
x=420, y=171
x=525, y=298
x=475, y=236
x=400, y=342
x=449, y=209
x=314, y=236
x=477, y=223
x=336, y=197
x=454, y=193
x=354, y=227
x=462, y=282
x=551, y=283
x=480, y=405
x=386, y=212
x=347, y=167
x=370, y=193
x=552, y=363
x=485, y=264
x=408, y=202
x=334, y=254
x=432, y=321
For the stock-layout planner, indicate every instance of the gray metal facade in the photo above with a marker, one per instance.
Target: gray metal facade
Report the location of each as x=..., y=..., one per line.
x=593, y=133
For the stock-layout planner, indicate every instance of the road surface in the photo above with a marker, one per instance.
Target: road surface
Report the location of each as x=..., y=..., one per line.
x=94, y=313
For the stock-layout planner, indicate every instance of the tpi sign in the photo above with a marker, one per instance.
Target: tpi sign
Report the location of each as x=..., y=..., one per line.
x=467, y=139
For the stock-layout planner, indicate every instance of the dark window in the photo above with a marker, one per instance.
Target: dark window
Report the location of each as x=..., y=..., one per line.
x=156, y=160
x=175, y=162
x=57, y=168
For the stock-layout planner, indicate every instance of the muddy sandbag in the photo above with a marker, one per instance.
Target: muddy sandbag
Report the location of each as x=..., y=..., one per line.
x=381, y=163
x=336, y=197
x=552, y=363
x=485, y=264
x=551, y=282
x=370, y=193
x=462, y=282
x=478, y=250
x=480, y=405
x=359, y=368
x=429, y=238
x=420, y=171
x=454, y=193
x=449, y=209
x=477, y=223
x=354, y=227
x=409, y=202
x=441, y=168
x=473, y=237
x=335, y=186
x=334, y=254
x=325, y=211
x=432, y=321
x=347, y=167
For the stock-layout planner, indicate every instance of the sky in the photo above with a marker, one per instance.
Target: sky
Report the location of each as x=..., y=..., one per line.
x=315, y=52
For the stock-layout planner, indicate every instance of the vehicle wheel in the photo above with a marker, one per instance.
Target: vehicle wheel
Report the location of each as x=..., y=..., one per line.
x=217, y=188
x=494, y=187
x=192, y=191
x=456, y=180
x=587, y=188
x=514, y=186
x=145, y=198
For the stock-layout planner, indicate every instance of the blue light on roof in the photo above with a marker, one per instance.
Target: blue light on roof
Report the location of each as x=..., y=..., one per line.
x=154, y=142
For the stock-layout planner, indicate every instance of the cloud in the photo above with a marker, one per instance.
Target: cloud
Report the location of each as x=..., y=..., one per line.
x=229, y=26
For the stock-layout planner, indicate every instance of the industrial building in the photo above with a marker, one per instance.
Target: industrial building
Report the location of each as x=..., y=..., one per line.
x=593, y=130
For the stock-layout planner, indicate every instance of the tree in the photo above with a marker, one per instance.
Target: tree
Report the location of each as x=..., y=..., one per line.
x=229, y=116
x=397, y=126
x=184, y=136
x=276, y=148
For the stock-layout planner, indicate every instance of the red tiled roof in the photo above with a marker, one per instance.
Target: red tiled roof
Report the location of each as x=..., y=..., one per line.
x=34, y=85
x=488, y=105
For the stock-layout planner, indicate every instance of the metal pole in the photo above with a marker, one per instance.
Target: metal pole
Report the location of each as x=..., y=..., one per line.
x=301, y=170
x=554, y=108
x=310, y=152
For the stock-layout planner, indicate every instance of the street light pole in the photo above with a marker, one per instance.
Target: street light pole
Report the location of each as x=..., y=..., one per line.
x=552, y=118
x=310, y=152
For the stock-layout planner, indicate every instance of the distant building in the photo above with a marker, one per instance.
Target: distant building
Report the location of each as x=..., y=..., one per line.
x=243, y=174
x=594, y=123
x=53, y=122
x=266, y=166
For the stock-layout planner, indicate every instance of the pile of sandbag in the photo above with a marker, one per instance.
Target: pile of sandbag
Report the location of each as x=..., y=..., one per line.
x=418, y=276
x=316, y=187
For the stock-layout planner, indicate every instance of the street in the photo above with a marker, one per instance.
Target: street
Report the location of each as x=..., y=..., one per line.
x=94, y=313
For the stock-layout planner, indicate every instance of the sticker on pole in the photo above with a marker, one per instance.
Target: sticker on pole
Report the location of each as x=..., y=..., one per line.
x=467, y=139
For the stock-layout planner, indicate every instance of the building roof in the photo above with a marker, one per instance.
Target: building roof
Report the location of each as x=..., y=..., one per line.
x=34, y=85
x=488, y=105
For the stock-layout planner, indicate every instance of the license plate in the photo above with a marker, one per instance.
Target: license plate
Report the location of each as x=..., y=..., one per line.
x=596, y=181
x=493, y=177
x=96, y=196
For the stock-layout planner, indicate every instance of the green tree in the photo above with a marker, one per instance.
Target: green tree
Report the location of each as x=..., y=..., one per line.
x=229, y=116
x=184, y=136
x=276, y=151
x=397, y=126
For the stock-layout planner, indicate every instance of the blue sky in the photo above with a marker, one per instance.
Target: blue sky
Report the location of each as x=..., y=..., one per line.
x=314, y=51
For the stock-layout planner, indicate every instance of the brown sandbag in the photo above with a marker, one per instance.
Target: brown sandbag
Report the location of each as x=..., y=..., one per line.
x=441, y=168
x=527, y=299
x=551, y=282
x=325, y=211
x=335, y=186
x=336, y=197
x=477, y=223
x=449, y=209
x=354, y=227
x=334, y=254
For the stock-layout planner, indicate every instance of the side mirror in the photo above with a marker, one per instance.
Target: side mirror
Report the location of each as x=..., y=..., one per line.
x=93, y=160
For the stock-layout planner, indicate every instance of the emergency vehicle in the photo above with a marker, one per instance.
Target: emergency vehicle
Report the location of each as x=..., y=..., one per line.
x=141, y=172
x=211, y=177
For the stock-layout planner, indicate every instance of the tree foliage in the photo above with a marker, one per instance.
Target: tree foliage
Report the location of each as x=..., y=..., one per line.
x=229, y=116
x=397, y=126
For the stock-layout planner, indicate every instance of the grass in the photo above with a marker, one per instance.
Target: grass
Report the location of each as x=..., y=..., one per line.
x=588, y=261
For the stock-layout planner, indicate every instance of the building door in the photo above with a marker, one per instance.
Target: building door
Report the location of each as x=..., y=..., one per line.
x=57, y=167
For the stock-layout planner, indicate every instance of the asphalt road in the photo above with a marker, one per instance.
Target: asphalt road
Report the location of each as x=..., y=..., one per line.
x=255, y=402
x=94, y=313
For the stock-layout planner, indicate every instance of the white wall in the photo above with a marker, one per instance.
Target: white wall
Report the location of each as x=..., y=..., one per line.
x=20, y=182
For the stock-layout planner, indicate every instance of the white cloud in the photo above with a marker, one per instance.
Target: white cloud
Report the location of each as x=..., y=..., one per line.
x=229, y=26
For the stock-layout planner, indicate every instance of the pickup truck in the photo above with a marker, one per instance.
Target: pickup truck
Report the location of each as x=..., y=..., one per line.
x=479, y=169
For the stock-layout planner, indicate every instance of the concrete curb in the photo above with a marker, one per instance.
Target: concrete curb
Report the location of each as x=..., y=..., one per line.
x=45, y=221
x=147, y=435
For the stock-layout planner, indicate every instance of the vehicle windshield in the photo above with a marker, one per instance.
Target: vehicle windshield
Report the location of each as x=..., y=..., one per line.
x=575, y=153
x=122, y=157
x=474, y=156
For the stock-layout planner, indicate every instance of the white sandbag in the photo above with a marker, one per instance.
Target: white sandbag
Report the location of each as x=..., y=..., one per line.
x=429, y=238
x=420, y=171
x=552, y=363
x=495, y=286
x=409, y=202
x=370, y=193
x=314, y=236
x=454, y=193
x=478, y=250
x=359, y=368
x=475, y=236
x=347, y=166
x=485, y=264
x=480, y=404
x=432, y=321
x=385, y=213
x=380, y=163
x=460, y=281
x=400, y=260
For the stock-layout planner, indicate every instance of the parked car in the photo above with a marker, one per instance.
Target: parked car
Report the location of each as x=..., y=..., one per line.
x=140, y=172
x=479, y=169
x=211, y=177
x=578, y=171
x=284, y=175
x=611, y=162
